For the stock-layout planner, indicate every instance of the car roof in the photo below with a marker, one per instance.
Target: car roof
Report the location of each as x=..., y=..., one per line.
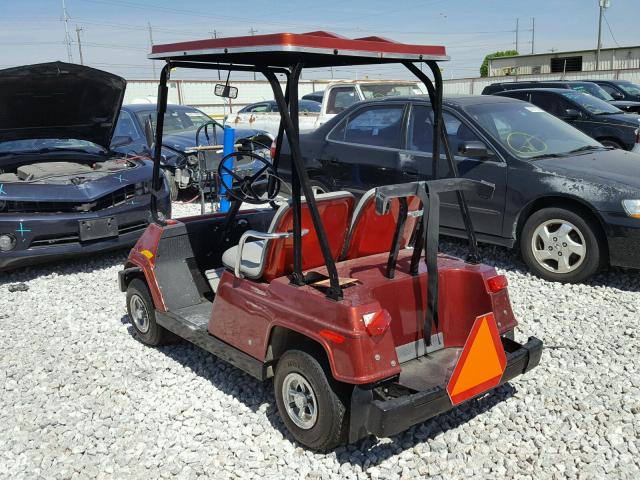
x=552, y=90
x=143, y=107
x=454, y=100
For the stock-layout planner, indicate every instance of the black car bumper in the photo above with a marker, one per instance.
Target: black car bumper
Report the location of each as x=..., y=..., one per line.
x=45, y=237
x=384, y=418
x=623, y=238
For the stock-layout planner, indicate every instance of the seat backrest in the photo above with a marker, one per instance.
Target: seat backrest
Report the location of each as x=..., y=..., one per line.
x=371, y=233
x=335, y=209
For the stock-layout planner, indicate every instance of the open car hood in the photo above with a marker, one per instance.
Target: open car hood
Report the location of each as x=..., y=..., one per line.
x=59, y=100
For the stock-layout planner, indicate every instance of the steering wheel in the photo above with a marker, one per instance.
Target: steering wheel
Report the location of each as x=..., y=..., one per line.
x=206, y=130
x=527, y=144
x=242, y=188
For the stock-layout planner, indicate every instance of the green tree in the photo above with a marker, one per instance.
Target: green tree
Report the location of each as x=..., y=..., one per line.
x=484, y=68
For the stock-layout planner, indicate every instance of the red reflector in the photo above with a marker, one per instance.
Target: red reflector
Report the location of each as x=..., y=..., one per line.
x=376, y=323
x=273, y=149
x=333, y=336
x=495, y=284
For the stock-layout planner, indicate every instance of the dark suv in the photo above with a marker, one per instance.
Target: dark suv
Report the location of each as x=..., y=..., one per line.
x=598, y=119
x=620, y=89
x=591, y=88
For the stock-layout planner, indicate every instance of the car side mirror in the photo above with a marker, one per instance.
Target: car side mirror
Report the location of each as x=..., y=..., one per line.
x=121, y=141
x=148, y=132
x=572, y=114
x=474, y=149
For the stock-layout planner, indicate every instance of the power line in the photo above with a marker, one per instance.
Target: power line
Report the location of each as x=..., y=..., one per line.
x=610, y=31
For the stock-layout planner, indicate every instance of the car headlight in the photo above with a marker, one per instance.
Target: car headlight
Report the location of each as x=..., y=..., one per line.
x=7, y=242
x=632, y=207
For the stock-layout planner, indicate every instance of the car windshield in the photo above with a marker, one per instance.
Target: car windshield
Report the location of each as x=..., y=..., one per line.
x=176, y=119
x=389, y=90
x=590, y=103
x=528, y=132
x=629, y=88
x=592, y=89
x=45, y=144
x=309, y=106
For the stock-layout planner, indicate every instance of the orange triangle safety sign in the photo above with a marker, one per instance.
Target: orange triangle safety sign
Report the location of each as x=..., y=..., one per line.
x=481, y=364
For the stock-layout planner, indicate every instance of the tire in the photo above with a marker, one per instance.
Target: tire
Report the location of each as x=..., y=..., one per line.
x=147, y=330
x=301, y=372
x=611, y=143
x=561, y=245
x=319, y=187
x=173, y=186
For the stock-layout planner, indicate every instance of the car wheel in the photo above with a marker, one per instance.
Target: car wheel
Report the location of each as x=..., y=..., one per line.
x=611, y=143
x=142, y=315
x=173, y=186
x=310, y=408
x=560, y=245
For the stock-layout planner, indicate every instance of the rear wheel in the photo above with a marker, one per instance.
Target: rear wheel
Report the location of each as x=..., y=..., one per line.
x=142, y=315
x=308, y=404
x=561, y=245
x=611, y=143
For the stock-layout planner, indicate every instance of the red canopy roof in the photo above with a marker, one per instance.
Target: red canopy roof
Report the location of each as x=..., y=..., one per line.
x=315, y=49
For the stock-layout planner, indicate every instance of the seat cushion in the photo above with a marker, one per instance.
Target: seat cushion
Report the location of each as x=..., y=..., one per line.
x=252, y=263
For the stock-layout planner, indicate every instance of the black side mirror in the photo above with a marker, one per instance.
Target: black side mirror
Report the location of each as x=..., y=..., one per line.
x=148, y=132
x=571, y=114
x=225, y=91
x=474, y=149
x=121, y=141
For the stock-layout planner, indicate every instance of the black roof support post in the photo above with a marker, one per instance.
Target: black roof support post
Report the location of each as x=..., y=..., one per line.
x=335, y=291
x=161, y=108
x=435, y=93
x=297, y=277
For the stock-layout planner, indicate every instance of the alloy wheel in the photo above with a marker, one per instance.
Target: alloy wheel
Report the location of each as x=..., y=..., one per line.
x=139, y=313
x=300, y=401
x=558, y=246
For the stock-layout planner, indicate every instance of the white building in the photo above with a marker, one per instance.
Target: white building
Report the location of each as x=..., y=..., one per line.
x=619, y=58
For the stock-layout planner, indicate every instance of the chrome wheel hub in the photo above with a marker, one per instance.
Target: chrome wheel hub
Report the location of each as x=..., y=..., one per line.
x=139, y=314
x=558, y=246
x=300, y=401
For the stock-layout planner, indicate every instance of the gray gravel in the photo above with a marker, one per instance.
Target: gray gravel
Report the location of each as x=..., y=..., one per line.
x=81, y=398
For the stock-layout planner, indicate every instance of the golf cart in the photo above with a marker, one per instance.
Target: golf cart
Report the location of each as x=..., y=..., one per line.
x=347, y=304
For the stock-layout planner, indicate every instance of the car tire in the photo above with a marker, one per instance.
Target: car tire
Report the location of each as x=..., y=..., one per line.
x=561, y=245
x=611, y=143
x=173, y=186
x=142, y=315
x=308, y=404
x=318, y=187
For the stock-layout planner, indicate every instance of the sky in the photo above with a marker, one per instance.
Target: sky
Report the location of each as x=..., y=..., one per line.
x=115, y=33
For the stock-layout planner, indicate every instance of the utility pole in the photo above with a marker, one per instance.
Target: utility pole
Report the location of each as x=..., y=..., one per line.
x=252, y=32
x=78, y=30
x=517, y=31
x=533, y=34
x=67, y=37
x=150, y=47
x=604, y=4
x=214, y=35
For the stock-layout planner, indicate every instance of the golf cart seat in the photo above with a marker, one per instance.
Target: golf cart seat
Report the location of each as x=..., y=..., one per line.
x=370, y=233
x=272, y=257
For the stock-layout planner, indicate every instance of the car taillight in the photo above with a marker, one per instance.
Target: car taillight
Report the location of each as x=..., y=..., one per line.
x=272, y=151
x=497, y=283
x=376, y=323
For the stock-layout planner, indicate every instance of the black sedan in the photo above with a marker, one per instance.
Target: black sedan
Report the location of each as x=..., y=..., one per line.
x=620, y=89
x=63, y=191
x=570, y=203
x=604, y=122
x=181, y=123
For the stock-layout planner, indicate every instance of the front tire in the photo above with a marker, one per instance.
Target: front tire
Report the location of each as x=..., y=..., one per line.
x=143, y=317
x=561, y=245
x=309, y=407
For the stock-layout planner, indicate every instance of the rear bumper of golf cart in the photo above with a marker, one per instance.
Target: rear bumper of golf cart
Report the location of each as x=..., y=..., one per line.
x=384, y=418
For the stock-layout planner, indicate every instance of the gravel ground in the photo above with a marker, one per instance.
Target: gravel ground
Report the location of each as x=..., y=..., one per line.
x=81, y=398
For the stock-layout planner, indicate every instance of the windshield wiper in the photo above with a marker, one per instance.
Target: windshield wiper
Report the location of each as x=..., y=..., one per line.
x=547, y=155
x=586, y=148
